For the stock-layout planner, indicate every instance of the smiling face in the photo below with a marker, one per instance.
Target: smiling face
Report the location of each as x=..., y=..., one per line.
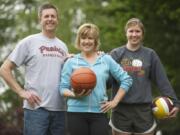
x=87, y=39
x=48, y=20
x=134, y=32
x=87, y=43
x=134, y=35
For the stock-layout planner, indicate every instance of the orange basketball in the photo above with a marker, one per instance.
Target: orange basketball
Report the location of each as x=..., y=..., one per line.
x=83, y=78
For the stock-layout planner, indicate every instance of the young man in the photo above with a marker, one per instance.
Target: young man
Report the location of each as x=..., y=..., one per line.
x=42, y=55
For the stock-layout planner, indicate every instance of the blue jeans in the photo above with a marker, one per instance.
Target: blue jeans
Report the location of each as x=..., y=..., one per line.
x=44, y=122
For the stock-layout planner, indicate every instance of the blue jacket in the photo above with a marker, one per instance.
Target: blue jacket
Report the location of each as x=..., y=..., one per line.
x=103, y=67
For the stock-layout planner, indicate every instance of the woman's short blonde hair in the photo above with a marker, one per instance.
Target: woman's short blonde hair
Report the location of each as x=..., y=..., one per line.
x=85, y=30
x=134, y=22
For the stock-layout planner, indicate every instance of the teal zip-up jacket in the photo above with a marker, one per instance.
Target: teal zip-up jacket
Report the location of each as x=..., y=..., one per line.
x=103, y=67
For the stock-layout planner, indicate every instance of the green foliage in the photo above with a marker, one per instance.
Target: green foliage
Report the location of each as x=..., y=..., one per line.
x=11, y=114
x=6, y=20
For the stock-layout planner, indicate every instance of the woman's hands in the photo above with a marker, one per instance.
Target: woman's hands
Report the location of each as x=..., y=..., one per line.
x=107, y=105
x=173, y=112
x=73, y=94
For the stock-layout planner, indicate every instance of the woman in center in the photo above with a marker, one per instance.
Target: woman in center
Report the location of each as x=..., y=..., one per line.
x=86, y=111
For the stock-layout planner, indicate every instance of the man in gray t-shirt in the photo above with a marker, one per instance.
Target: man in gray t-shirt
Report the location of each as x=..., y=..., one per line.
x=42, y=55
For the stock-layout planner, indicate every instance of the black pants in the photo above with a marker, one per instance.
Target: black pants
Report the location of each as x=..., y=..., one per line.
x=87, y=123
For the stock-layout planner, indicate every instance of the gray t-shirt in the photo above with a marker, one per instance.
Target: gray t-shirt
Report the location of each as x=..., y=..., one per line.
x=43, y=59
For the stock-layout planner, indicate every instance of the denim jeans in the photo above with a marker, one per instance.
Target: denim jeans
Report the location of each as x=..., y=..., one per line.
x=44, y=122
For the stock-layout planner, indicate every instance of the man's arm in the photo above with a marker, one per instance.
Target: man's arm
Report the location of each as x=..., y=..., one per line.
x=6, y=73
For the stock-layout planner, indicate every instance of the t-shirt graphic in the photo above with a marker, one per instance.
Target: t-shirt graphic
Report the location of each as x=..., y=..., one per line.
x=52, y=51
x=133, y=66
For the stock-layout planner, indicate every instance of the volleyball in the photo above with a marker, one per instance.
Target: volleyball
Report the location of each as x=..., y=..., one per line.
x=161, y=107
